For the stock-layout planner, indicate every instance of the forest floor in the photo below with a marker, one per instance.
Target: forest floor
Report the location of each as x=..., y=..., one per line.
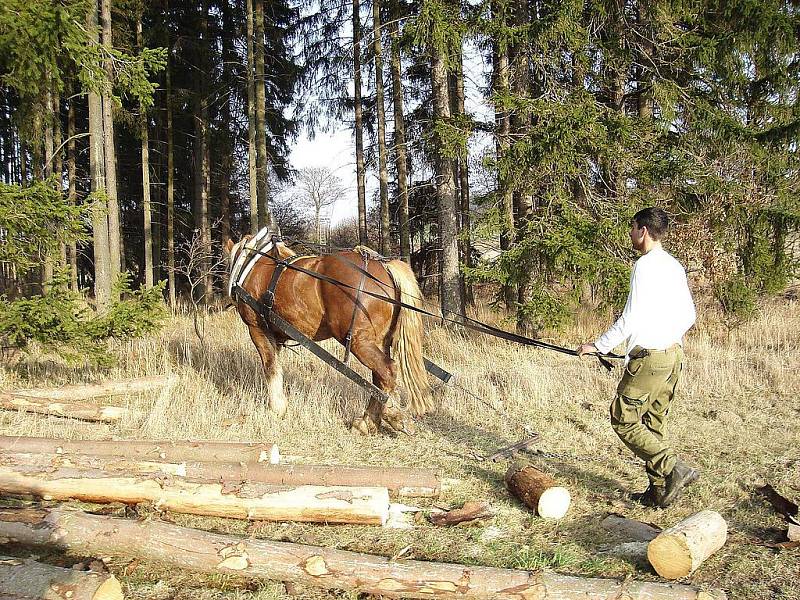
x=736, y=418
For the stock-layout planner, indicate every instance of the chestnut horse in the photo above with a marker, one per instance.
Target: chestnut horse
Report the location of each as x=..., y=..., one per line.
x=386, y=338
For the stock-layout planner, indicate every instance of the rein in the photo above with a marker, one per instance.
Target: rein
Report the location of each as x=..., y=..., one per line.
x=461, y=320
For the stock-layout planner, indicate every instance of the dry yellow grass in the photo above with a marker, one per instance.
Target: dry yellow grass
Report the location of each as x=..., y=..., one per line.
x=736, y=418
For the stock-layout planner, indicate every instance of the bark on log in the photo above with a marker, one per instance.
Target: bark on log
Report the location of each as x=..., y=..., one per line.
x=359, y=505
x=152, y=450
x=314, y=566
x=72, y=393
x=77, y=410
x=28, y=579
x=630, y=529
x=146, y=458
x=679, y=550
x=469, y=512
x=538, y=491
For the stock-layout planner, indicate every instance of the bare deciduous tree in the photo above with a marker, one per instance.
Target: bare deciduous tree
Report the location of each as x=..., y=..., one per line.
x=317, y=188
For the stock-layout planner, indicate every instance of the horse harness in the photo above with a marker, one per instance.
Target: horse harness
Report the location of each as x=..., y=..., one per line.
x=264, y=309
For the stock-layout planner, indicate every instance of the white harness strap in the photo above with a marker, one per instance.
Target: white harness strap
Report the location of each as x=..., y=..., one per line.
x=245, y=260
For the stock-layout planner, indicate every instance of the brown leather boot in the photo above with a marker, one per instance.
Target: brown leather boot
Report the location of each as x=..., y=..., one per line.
x=681, y=476
x=650, y=497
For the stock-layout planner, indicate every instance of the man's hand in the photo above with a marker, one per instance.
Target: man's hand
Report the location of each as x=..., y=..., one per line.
x=585, y=349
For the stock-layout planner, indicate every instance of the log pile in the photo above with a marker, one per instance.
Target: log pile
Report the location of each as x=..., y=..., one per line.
x=26, y=579
x=211, y=461
x=59, y=470
x=255, y=501
x=314, y=566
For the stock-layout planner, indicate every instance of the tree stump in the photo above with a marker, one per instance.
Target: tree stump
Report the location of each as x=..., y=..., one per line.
x=676, y=552
x=538, y=491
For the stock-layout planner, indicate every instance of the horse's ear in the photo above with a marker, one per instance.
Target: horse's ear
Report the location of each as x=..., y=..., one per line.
x=228, y=246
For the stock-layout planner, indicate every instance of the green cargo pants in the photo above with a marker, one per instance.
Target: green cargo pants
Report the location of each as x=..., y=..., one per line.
x=644, y=396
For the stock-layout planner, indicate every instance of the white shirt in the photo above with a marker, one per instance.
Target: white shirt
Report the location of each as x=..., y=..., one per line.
x=659, y=309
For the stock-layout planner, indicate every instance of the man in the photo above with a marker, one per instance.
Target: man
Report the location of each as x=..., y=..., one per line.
x=659, y=311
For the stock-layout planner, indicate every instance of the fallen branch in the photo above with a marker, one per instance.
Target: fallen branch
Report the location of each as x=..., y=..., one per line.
x=469, y=512
x=359, y=505
x=73, y=393
x=31, y=580
x=314, y=566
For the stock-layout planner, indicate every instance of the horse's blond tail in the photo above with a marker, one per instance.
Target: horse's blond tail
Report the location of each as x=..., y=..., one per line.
x=407, y=341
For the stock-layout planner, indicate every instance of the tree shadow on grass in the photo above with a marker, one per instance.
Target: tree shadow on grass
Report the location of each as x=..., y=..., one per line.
x=33, y=370
x=473, y=441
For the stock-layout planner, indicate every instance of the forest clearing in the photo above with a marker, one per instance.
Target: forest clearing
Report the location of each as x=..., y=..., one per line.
x=737, y=392
x=187, y=187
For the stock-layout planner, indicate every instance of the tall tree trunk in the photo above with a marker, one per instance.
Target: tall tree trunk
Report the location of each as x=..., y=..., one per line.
x=523, y=201
x=262, y=160
x=23, y=161
x=58, y=162
x=114, y=225
x=147, y=214
x=251, y=124
x=49, y=151
x=72, y=194
x=383, y=173
x=170, y=187
x=359, y=126
x=463, y=176
x=399, y=133
x=502, y=144
x=452, y=301
x=227, y=143
x=201, y=152
x=157, y=200
x=102, y=250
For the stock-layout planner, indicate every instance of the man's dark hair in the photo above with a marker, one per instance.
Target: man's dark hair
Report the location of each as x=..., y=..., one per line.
x=655, y=219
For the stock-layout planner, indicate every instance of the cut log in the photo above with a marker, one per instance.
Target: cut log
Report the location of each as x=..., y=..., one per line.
x=28, y=579
x=793, y=533
x=406, y=482
x=149, y=450
x=538, y=491
x=678, y=551
x=84, y=411
x=314, y=566
x=256, y=501
x=73, y=393
x=630, y=529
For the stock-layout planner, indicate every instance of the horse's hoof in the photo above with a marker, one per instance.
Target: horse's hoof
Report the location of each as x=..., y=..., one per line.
x=364, y=426
x=400, y=424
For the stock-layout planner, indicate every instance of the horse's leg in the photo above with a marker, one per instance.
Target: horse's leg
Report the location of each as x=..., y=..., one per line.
x=273, y=371
x=384, y=376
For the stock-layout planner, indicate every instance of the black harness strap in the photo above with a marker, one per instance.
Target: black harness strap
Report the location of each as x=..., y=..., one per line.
x=290, y=331
x=348, y=339
x=460, y=319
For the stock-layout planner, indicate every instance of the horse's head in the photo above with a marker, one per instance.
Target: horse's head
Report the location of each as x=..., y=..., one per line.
x=232, y=249
x=244, y=254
